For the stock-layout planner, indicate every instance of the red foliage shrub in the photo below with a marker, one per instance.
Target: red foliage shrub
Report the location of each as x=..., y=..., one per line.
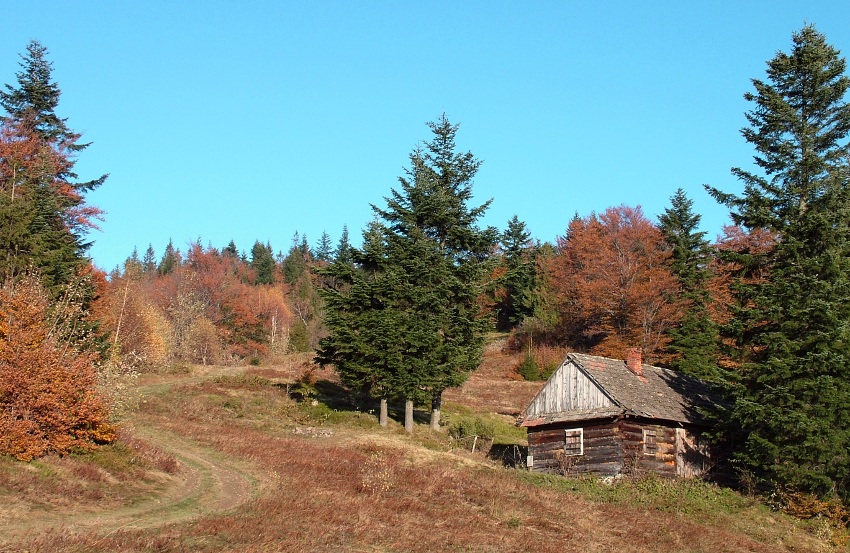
x=48, y=400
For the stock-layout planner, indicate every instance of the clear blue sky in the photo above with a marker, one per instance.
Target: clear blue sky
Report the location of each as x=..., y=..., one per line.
x=253, y=120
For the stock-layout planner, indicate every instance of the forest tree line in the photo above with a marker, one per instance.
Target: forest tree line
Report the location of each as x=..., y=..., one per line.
x=762, y=312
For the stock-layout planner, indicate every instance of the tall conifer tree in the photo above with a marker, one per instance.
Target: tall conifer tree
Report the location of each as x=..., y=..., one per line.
x=170, y=259
x=693, y=342
x=792, y=330
x=324, y=248
x=520, y=279
x=45, y=205
x=262, y=261
x=422, y=266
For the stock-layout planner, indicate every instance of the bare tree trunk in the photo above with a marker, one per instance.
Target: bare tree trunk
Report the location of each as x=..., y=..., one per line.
x=436, y=405
x=383, y=418
x=408, y=416
x=121, y=314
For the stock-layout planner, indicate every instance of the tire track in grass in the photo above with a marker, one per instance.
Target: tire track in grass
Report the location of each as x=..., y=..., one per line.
x=208, y=482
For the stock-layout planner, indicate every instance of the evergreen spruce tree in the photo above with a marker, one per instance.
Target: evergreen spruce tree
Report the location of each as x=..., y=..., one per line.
x=323, y=248
x=343, y=252
x=170, y=259
x=793, y=328
x=693, y=343
x=230, y=250
x=419, y=277
x=149, y=261
x=36, y=96
x=48, y=217
x=304, y=246
x=366, y=343
x=520, y=279
x=295, y=263
x=262, y=261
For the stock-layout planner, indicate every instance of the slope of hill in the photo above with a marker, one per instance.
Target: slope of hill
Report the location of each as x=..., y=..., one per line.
x=224, y=459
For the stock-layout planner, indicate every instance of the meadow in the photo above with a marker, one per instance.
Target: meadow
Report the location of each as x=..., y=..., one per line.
x=281, y=458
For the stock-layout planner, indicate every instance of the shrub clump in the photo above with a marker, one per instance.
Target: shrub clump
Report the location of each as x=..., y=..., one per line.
x=464, y=427
x=48, y=384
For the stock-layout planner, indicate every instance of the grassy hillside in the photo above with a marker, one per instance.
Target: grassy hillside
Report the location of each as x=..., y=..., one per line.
x=225, y=459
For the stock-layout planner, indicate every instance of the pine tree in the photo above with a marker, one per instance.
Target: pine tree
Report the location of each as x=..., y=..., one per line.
x=45, y=206
x=520, y=278
x=262, y=261
x=170, y=259
x=366, y=344
x=295, y=263
x=149, y=261
x=418, y=277
x=693, y=343
x=343, y=252
x=304, y=246
x=230, y=250
x=35, y=96
x=323, y=248
x=792, y=329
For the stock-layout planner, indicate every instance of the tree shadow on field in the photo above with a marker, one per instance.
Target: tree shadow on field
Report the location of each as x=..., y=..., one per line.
x=335, y=396
x=395, y=410
x=340, y=398
x=510, y=455
x=330, y=393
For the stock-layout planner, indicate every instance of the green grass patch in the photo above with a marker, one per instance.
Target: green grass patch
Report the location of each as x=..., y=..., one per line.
x=242, y=380
x=115, y=458
x=689, y=496
x=462, y=423
x=319, y=413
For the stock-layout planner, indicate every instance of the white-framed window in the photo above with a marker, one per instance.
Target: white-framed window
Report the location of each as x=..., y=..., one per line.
x=574, y=441
x=650, y=441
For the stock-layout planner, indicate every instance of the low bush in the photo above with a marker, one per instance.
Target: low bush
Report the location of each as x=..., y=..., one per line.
x=49, y=401
x=468, y=428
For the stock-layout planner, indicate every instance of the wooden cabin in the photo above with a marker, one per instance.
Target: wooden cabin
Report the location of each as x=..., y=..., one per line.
x=612, y=417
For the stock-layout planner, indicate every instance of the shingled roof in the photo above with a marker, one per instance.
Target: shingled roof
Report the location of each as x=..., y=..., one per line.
x=657, y=393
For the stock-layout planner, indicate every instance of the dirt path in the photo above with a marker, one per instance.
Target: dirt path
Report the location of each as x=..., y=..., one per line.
x=207, y=482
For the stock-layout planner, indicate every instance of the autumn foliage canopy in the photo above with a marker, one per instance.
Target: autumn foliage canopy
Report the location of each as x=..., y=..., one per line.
x=48, y=397
x=613, y=283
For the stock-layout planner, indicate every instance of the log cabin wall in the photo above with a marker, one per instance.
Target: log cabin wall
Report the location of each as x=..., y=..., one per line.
x=630, y=447
x=602, y=449
x=648, y=446
x=693, y=455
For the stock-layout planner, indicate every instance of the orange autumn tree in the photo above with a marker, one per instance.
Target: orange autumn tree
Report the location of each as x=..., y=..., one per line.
x=48, y=397
x=613, y=284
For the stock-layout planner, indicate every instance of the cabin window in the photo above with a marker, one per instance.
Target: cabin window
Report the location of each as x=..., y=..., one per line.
x=650, y=443
x=574, y=441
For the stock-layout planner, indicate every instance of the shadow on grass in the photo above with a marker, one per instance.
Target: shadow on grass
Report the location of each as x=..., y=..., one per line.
x=330, y=393
x=335, y=396
x=510, y=455
x=340, y=398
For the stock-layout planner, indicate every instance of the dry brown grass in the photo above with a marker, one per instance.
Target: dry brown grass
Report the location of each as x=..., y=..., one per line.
x=374, y=490
x=495, y=387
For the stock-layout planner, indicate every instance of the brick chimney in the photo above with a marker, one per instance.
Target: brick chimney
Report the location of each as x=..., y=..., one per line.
x=634, y=361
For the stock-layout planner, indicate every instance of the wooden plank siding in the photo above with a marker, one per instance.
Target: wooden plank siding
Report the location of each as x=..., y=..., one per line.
x=566, y=390
x=612, y=448
x=603, y=452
